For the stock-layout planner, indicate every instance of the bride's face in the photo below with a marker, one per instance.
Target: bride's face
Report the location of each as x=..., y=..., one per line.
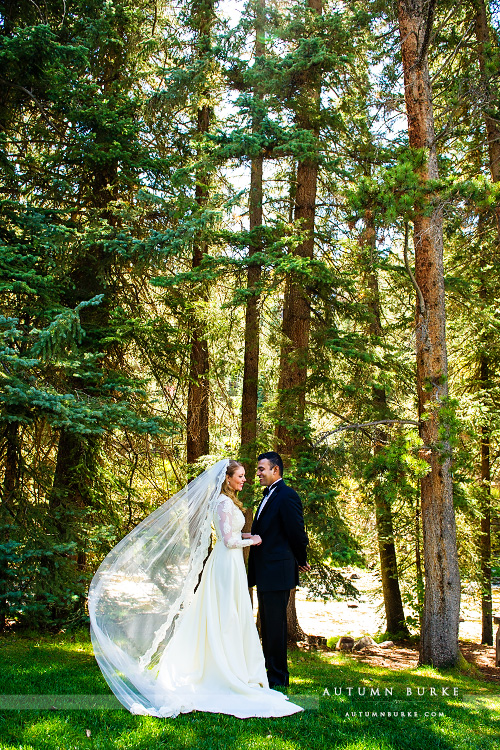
x=237, y=481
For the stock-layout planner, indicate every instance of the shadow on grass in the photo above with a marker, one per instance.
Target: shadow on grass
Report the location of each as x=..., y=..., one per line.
x=49, y=664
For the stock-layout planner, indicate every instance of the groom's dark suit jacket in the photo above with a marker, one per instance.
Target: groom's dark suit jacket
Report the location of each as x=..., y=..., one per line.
x=273, y=565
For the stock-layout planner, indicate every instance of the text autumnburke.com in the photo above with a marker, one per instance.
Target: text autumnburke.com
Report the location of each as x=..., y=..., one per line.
x=392, y=714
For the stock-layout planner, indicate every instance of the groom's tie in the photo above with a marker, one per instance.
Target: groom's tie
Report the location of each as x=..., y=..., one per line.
x=263, y=502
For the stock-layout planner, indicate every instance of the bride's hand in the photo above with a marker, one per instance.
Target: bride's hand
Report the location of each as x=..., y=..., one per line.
x=256, y=539
x=246, y=535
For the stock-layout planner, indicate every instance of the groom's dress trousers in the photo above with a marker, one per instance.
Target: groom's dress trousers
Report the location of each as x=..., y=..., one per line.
x=273, y=568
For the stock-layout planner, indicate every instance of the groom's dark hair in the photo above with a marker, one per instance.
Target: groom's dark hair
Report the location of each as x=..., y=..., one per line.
x=274, y=460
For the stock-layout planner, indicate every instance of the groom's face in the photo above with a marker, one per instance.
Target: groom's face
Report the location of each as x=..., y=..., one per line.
x=266, y=474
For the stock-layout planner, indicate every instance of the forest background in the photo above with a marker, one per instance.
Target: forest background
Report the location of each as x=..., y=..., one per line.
x=229, y=228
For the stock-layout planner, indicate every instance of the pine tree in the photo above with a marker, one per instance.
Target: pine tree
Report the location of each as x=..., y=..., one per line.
x=439, y=637
x=201, y=22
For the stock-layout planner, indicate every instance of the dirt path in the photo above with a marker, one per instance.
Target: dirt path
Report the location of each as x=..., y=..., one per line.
x=368, y=617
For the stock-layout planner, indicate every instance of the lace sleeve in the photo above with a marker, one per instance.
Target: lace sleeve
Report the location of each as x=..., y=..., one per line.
x=231, y=539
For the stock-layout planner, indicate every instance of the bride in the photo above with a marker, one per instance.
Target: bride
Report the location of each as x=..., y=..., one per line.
x=168, y=641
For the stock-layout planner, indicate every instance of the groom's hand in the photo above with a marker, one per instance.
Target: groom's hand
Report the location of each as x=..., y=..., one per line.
x=305, y=568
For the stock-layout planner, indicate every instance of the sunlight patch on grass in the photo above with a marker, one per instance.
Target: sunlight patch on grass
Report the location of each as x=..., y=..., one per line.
x=51, y=732
x=489, y=702
x=153, y=732
x=268, y=742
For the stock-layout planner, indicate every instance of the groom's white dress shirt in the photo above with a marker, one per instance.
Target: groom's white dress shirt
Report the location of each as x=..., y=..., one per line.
x=271, y=489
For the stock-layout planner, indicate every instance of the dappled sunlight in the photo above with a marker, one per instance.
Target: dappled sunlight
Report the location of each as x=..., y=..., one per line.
x=51, y=732
x=149, y=730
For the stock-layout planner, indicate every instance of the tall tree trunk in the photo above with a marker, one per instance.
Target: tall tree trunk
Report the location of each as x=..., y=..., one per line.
x=293, y=629
x=393, y=604
x=249, y=397
x=439, y=637
x=72, y=483
x=485, y=380
x=419, y=575
x=297, y=321
x=394, y=613
x=70, y=496
x=485, y=536
x=202, y=18
x=296, y=310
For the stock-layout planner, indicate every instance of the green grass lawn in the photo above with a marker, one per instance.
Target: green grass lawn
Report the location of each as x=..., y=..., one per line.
x=58, y=665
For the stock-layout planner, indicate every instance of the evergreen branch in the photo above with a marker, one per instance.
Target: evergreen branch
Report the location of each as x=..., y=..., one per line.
x=90, y=302
x=5, y=503
x=386, y=34
x=335, y=414
x=63, y=332
x=131, y=480
x=363, y=425
x=64, y=15
x=42, y=17
x=454, y=53
x=37, y=102
x=330, y=411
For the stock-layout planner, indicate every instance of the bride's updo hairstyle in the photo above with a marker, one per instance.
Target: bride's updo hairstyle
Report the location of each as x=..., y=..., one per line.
x=226, y=489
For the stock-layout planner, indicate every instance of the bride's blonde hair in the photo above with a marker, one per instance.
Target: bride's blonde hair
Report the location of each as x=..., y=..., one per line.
x=226, y=489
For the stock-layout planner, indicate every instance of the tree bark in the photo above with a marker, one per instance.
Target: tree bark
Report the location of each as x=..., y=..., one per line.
x=293, y=629
x=202, y=18
x=394, y=613
x=485, y=535
x=439, y=636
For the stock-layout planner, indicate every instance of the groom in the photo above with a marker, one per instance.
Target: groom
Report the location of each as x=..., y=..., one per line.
x=274, y=565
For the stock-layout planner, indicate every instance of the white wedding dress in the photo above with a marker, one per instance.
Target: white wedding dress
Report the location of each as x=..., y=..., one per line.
x=214, y=661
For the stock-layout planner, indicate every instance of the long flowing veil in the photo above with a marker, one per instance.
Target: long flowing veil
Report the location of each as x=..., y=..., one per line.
x=137, y=597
